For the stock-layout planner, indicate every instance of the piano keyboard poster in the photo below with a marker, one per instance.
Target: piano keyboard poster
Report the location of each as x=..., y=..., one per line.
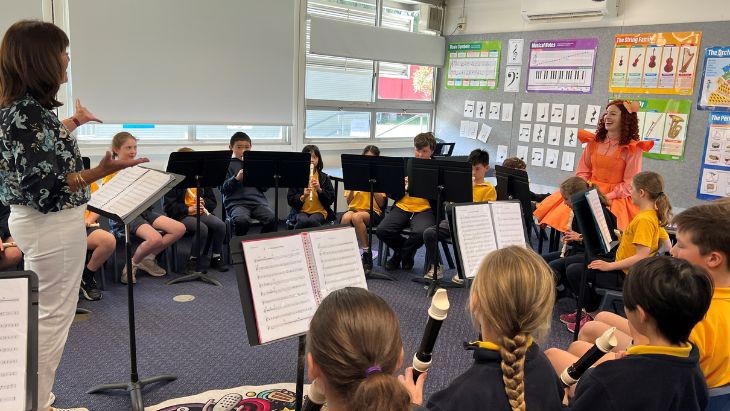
x=562, y=66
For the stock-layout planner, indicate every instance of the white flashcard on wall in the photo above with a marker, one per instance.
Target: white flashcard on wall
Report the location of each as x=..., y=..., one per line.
x=514, y=51
x=526, y=112
x=522, y=153
x=556, y=114
x=538, y=156
x=494, y=110
x=512, y=76
x=501, y=153
x=525, y=129
x=484, y=132
x=481, y=109
x=473, y=127
x=469, y=108
x=551, y=158
x=538, y=133
x=568, y=162
x=464, y=128
x=593, y=113
x=507, y=111
x=543, y=112
x=572, y=114
x=571, y=137
x=554, y=135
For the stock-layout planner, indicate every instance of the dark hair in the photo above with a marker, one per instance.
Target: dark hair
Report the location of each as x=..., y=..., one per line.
x=675, y=293
x=30, y=62
x=478, y=156
x=353, y=332
x=514, y=162
x=629, y=124
x=708, y=226
x=653, y=185
x=371, y=149
x=573, y=185
x=239, y=136
x=423, y=140
x=311, y=148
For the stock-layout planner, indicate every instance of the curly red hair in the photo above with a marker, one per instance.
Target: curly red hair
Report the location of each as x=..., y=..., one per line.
x=629, y=124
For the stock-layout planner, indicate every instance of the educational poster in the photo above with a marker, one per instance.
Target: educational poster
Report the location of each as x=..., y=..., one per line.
x=715, y=170
x=664, y=121
x=715, y=84
x=655, y=63
x=562, y=66
x=473, y=65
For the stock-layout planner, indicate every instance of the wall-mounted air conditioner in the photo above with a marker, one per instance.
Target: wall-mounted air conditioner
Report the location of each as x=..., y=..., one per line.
x=547, y=11
x=431, y=18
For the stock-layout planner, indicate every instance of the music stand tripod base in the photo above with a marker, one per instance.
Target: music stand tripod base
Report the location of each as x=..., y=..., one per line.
x=195, y=276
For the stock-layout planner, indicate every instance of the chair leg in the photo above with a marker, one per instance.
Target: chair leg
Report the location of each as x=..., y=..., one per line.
x=447, y=254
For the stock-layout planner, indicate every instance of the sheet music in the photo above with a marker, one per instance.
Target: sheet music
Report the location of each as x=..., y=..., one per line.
x=508, y=224
x=13, y=342
x=595, y=203
x=337, y=260
x=475, y=235
x=281, y=286
x=128, y=190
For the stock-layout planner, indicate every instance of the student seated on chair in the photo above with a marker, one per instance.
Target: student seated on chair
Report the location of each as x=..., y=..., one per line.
x=481, y=191
x=518, y=164
x=358, y=213
x=102, y=245
x=414, y=212
x=10, y=257
x=145, y=226
x=244, y=204
x=180, y=205
x=703, y=239
x=664, y=298
x=311, y=206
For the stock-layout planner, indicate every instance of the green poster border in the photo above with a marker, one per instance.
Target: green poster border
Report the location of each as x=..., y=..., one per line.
x=490, y=45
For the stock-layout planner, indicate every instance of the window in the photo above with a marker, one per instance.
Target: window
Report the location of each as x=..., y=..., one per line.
x=103, y=133
x=325, y=124
x=390, y=125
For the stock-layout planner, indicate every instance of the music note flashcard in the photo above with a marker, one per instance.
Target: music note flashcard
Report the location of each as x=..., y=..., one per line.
x=556, y=114
x=481, y=109
x=554, y=135
x=514, y=51
x=469, y=108
x=571, y=137
x=464, y=128
x=572, y=114
x=551, y=158
x=525, y=129
x=507, y=111
x=501, y=153
x=538, y=156
x=512, y=76
x=526, y=112
x=538, y=133
x=484, y=132
x=593, y=114
x=543, y=112
x=473, y=128
x=568, y=161
x=522, y=153
x=494, y=110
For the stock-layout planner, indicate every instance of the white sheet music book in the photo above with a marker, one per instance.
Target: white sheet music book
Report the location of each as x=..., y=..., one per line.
x=482, y=228
x=129, y=189
x=13, y=343
x=290, y=275
x=595, y=204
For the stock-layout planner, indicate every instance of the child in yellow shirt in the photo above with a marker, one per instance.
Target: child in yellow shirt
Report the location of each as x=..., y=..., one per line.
x=311, y=206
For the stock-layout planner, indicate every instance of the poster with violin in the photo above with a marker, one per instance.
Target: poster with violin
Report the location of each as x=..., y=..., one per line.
x=715, y=84
x=655, y=63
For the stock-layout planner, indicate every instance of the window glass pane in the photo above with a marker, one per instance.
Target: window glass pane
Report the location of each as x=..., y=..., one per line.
x=390, y=125
x=145, y=132
x=337, y=124
x=410, y=15
x=225, y=132
x=414, y=83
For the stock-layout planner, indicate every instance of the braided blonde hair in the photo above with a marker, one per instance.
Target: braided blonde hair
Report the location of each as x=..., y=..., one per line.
x=513, y=294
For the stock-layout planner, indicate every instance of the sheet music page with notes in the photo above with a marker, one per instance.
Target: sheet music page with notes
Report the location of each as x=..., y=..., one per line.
x=13, y=342
x=597, y=210
x=508, y=224
x=128, y=190
x=281, y=286
x=475, y=234
x=337, y=260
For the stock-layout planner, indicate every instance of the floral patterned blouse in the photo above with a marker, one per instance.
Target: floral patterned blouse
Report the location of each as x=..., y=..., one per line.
x=36, y=154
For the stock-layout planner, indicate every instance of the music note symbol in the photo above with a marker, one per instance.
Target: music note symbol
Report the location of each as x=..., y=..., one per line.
x=543, y=114
x=572, y=117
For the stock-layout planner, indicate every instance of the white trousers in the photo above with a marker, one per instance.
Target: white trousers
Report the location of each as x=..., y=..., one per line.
x=54, y=247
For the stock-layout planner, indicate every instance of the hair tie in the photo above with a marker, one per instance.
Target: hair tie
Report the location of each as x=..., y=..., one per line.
x=373, y=370
x=632, y=106
x=660, y=193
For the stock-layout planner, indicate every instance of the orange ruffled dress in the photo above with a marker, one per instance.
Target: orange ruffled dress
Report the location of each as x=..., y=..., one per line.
x=612, y=173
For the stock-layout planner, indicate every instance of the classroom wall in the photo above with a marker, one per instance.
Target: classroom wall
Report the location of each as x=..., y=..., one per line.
x=681, y=176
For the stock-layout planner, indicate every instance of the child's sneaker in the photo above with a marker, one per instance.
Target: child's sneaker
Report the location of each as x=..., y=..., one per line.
x=429, y=273
x=569, y=318
x=583, y=320
x=124, y=275
x=457, y=280
x=149, y=264
x=217, y=263
x=89, y=290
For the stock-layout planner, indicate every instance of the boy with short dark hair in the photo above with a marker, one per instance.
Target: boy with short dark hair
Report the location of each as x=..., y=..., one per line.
x=242, y=203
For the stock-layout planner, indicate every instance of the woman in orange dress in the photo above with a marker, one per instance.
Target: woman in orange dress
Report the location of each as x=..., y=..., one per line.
x=610, y=160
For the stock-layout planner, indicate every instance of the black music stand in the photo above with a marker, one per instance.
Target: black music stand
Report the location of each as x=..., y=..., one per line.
x=201, y=169
x=443, y=149
x=439, y=180
x=513, y=184
x=374, y=174
x=280, y=169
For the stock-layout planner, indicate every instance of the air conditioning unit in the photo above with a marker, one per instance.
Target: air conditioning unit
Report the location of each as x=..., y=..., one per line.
x=430, y=18
x=547, y=11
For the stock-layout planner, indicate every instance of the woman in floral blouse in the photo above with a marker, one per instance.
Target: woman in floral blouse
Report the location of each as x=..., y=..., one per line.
x=43, y=180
